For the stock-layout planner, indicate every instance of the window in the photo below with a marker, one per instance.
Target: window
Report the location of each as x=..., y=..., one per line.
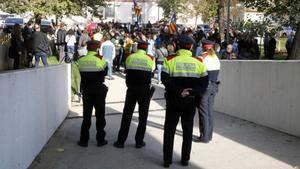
x=109, y=11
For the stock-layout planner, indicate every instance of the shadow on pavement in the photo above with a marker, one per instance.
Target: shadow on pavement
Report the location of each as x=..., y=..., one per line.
x=61, y=152
x=275, y=144
x=278, y=145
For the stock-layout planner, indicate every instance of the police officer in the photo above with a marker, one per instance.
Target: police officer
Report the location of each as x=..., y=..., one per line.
x=93, y=70
x=205, y=110
x=139, y=67
x=184, y=78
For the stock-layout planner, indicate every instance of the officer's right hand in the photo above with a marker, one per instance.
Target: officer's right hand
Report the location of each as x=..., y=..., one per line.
x=186, y=92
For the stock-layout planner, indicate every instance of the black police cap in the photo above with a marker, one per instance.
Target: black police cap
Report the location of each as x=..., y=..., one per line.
x=185, y=39
x=93, y=45
x=142, y=44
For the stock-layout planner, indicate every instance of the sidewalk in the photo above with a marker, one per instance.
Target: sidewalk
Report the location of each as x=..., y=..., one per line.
x=237, y=144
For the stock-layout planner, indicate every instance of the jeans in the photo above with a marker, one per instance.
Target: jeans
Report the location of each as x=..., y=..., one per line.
x=109, y=66
x=71, y=51
x=62, y=53
x=37, y=59
x=159, y=67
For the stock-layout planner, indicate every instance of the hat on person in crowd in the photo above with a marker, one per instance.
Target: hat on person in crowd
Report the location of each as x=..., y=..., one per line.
x=207, y=44
x=93, y=45
x=185, y=42
x=142, y=45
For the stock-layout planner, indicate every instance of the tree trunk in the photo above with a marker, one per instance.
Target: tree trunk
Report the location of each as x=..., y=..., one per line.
x=295, y=53
x=196, y=21
x=221, y=17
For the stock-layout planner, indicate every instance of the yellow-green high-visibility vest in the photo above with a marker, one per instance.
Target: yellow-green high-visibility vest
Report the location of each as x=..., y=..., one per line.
x=91, y=63
x=184, y=65
x=140, y=61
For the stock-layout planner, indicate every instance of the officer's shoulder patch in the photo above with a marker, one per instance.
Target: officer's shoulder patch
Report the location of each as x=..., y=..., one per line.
x=170, y=57
x=151, y=57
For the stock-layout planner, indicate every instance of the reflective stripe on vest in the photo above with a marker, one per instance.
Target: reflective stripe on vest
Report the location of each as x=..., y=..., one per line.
x=184, y=65
x=139, y=61
x=91, y=63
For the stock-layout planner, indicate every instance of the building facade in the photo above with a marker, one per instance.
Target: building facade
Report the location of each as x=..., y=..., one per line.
x=122, y=11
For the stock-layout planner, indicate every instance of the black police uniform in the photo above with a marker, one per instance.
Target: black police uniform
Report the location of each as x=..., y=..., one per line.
x=93, y=71
x=180, y=72
x=139, y=68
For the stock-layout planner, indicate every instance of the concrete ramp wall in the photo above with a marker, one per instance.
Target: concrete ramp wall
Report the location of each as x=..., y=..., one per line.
x=264, y=92
x=33, y=104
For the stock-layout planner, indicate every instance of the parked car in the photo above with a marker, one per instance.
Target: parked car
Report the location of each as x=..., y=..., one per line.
x=11, y=21
x=204, y=27
x=46, y=26
x=3, y=16
x=286, y=31
x=181, y=27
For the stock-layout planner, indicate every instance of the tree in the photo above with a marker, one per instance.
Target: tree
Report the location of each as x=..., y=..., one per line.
x=188, y=8
x=222, y=12
x=51, y=7
x=286, y=12
x=91, y=5
x=170, y=6
x=205, y=8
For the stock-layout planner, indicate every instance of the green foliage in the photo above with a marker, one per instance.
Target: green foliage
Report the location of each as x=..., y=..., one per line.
x=48, y=7
x=253, y=29
x=169, y=7
x=209, y=10
x=286, y=11
x=190, y=8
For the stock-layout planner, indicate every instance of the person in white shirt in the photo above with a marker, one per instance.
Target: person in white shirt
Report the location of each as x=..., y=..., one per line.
x=108, y=51
x=98, y=35
x=71, y=41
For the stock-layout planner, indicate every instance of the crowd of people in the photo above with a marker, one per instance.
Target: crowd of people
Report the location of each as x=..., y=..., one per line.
x=68, y=43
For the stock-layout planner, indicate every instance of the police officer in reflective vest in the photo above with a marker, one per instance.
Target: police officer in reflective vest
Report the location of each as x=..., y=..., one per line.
x=139, y=67
x=184, y=78
x=205, y=110
x=93, y=70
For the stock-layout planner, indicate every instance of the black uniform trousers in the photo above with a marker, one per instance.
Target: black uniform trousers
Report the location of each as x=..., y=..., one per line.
x=177, y=107
x=141, y=95
x=91, y=100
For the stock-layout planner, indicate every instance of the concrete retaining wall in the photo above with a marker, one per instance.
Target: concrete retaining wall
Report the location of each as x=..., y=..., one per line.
x=33, y=103
x=264, y=92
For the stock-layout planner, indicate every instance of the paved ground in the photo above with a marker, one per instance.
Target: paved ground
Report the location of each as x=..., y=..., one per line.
x=237, y=144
